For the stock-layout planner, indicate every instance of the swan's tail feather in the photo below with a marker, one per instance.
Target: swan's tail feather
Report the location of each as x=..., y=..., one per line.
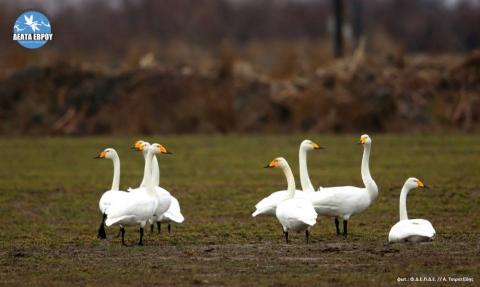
x=101, y=230
x=177, y=218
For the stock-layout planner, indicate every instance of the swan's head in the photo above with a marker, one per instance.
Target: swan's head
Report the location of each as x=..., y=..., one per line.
x=138, y=146
x=109, y=153
x=158, y=149
x=415, y=183
x=277, y=162
x=309, y=145
x=365, y=139
x=141, y=146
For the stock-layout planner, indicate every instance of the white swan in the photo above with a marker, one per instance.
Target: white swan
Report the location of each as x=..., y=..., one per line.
x=294, y=213
x=173, y=214
x=413, y=230
x=138, y=206
x=114, y=193
x=345, y=201
x=269, y=203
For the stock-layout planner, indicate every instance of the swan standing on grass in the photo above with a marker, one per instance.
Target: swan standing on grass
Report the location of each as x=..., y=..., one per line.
x=141, y=204
x=294, y=213
x=114, y=193
x=345, y=201
x=413, y=230
x=173, y=214
x=269, y=203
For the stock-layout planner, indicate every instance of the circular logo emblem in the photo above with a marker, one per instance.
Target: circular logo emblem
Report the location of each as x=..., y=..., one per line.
x=32, y=30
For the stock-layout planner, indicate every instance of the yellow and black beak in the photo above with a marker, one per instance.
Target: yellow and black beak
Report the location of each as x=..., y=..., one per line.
x=164, y=150
x=363, y=140
x=316, y=146
x=272, y=164
x=103, y=154
x=138, y=146
x=422, y=185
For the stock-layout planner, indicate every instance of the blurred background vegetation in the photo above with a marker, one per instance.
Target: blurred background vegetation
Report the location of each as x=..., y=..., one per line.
x=221, y=66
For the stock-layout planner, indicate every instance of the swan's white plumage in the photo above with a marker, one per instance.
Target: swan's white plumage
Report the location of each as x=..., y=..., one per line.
x=173, y=214
x=344, y=201
x=293, y=213
x=296, y=214
x=114, y=194
x=135, y=208
x=412, y=230
x=340, y=201
x=269, y=204
x=140, y=204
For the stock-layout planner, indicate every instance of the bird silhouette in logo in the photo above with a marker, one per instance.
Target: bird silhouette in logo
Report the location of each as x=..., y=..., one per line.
x=32, y=24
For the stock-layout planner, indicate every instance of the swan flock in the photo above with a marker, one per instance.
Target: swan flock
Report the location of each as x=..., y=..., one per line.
x=297, y=210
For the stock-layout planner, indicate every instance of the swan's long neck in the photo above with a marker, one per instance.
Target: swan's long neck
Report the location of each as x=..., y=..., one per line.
x=370, y=184
x=116, y=173
x=304, y=177
x=290, y=180
x=148, y=170
x=145, y=177
x=403, y=203
x=155, y=172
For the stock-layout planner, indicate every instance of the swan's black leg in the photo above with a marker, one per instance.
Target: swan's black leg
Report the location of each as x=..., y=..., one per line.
x=286, y=236
x=307, y=235
x=119, y=233
x=169, y=228
x=337, y=225
x=159, y=227
x=122, y=231
x=141, y=237
x=151, y=228
x=101, y=230
x=345, y=223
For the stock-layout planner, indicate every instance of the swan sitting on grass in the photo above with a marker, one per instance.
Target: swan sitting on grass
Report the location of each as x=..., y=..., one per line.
x=413, y=230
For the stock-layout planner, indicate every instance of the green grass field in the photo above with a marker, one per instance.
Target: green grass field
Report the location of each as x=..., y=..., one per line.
x=49, y=213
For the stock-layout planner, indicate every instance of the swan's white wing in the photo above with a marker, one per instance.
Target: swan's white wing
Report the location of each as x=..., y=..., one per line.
x=134, y=206
x=164, y=200
x=411, y=230
x=269, y=203
x=173, y=213
x=296, y=210
x=339, y=201
x=109, y=197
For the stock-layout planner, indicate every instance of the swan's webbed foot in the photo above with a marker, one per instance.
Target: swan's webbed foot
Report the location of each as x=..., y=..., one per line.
x=337, y=226
x=141, y=237
x=307, y=235
x=345, y=224
x=101, y=230
x=169, y=228
x=159, y=227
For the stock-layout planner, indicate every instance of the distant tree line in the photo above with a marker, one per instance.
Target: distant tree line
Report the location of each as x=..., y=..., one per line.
x=422, y=25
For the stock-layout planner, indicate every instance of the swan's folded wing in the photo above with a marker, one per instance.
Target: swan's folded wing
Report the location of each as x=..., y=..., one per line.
x=299, y=210
x=269, y=203
x=132, y=205
x=405, y=229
